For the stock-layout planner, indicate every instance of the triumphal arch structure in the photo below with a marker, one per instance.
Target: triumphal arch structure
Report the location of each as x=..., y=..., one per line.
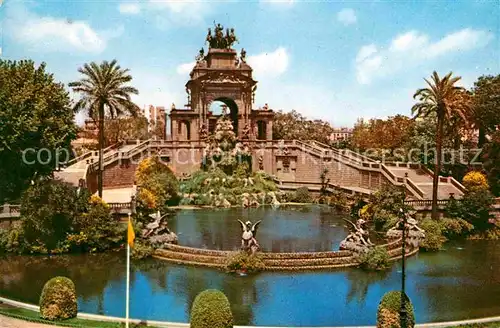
x=222, y=74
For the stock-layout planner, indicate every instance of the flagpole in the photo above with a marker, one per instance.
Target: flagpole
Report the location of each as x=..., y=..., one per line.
x=128, y=283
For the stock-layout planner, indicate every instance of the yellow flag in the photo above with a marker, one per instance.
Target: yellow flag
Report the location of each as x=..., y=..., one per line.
x=130, y=233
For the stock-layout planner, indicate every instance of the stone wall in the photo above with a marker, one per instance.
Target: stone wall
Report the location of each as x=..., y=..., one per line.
x=119, y=174
x=297, y=164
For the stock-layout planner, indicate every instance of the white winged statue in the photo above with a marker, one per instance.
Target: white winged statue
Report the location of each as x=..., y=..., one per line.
x=248, y=236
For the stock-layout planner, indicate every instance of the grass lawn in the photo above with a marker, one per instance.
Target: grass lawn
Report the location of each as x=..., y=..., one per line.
x=480, y=325
x=33, y=316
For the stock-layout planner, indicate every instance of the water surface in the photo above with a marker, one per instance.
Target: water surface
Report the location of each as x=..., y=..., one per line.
x=460, y=282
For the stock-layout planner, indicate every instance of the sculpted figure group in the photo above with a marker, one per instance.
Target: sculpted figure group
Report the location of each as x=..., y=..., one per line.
x=220, y=41
x=248, y=237
x=414, y=234
x=358, y=239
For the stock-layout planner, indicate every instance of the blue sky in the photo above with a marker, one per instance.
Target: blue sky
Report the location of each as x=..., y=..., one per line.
x=331, y=60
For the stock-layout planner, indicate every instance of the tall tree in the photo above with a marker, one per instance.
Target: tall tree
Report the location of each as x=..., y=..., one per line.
x=36, y=125
x=446, y=100
x=491, y=158
x=122, y=128
x=486, y=102
x=293, y=125
x=103, y=91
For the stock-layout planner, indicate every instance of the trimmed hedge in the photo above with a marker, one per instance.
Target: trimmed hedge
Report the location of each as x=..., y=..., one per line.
x=388, y=311
x=58, y=299
x=376, y=259
x=241, y=261
x=211, y=309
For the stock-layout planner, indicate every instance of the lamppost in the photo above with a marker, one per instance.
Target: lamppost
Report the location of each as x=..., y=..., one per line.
x=402, y=312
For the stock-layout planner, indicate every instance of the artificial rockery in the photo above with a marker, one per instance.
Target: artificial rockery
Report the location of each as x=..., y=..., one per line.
x=226, y=178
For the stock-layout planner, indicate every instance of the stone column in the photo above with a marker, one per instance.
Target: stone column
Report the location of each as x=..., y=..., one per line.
x=269, y=130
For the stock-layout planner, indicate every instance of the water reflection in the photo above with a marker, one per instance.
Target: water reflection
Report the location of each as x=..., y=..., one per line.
x=289, y=229
x=92, y=272
x=461, y=282
x=359, y=283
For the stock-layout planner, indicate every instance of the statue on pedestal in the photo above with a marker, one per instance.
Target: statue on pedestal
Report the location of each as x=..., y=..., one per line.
x=243, y=55
x=414, y=234
x=248, y=237
x=358, y=240
x=158, y=232
x=261, y=162
x=209, y=37
x=203, y=132
x=246, y=132
x=201, y=55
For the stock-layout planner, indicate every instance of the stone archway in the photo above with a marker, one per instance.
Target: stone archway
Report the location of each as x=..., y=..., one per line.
x=233, y=111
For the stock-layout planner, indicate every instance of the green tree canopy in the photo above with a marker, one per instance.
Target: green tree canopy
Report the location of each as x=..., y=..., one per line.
x=486, y=104
x=447, y=101
x=293, y=125
x=35, y=113
x=104, y=90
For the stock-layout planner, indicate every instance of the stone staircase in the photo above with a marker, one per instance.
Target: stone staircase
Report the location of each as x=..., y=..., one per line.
x=417, y=178
x=78, y=167
x=422, y=178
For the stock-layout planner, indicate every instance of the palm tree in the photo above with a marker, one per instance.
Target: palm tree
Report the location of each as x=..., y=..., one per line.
x=445, y=100
x=103, y=89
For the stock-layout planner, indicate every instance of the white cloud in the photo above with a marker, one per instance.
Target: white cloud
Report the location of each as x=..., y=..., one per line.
x=265, y=65
x=365, y=52
x=157, y=89
x=55, y=34
x=409, y=40
x=347, y=16
x=179, y=12
x=462, y=40
x=270, y=64
x=279, y=2
x=411, y=49
x=129, y=8
x=186, y=68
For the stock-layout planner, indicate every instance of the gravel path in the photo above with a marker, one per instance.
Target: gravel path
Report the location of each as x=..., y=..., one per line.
x=6, y=322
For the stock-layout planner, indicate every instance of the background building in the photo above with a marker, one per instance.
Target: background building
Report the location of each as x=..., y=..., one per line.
x=341, y=134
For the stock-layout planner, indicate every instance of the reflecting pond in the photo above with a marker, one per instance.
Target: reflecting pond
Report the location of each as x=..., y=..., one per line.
x=459, y=282
x=288, y=229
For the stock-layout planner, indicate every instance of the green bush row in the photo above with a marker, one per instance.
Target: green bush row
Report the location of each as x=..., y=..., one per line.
x=211, y=309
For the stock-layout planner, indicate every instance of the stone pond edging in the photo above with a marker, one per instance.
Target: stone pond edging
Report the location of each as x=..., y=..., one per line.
x=300, y=261
x=166, y=324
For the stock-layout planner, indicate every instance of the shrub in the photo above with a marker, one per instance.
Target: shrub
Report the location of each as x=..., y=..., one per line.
x=58, y=299
x=475, y=180
x=241, y=261
x=434, y=238
x=141, y=251
x=376, y=259
x=211, y=309
x=98, y=231
x=302, y=195
x=475, y=208
x=388, y=311
x=456, y=228
x=158, y=179
x=146, y=199
x=383, y=208
x=12, y=240
x=48, y=209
